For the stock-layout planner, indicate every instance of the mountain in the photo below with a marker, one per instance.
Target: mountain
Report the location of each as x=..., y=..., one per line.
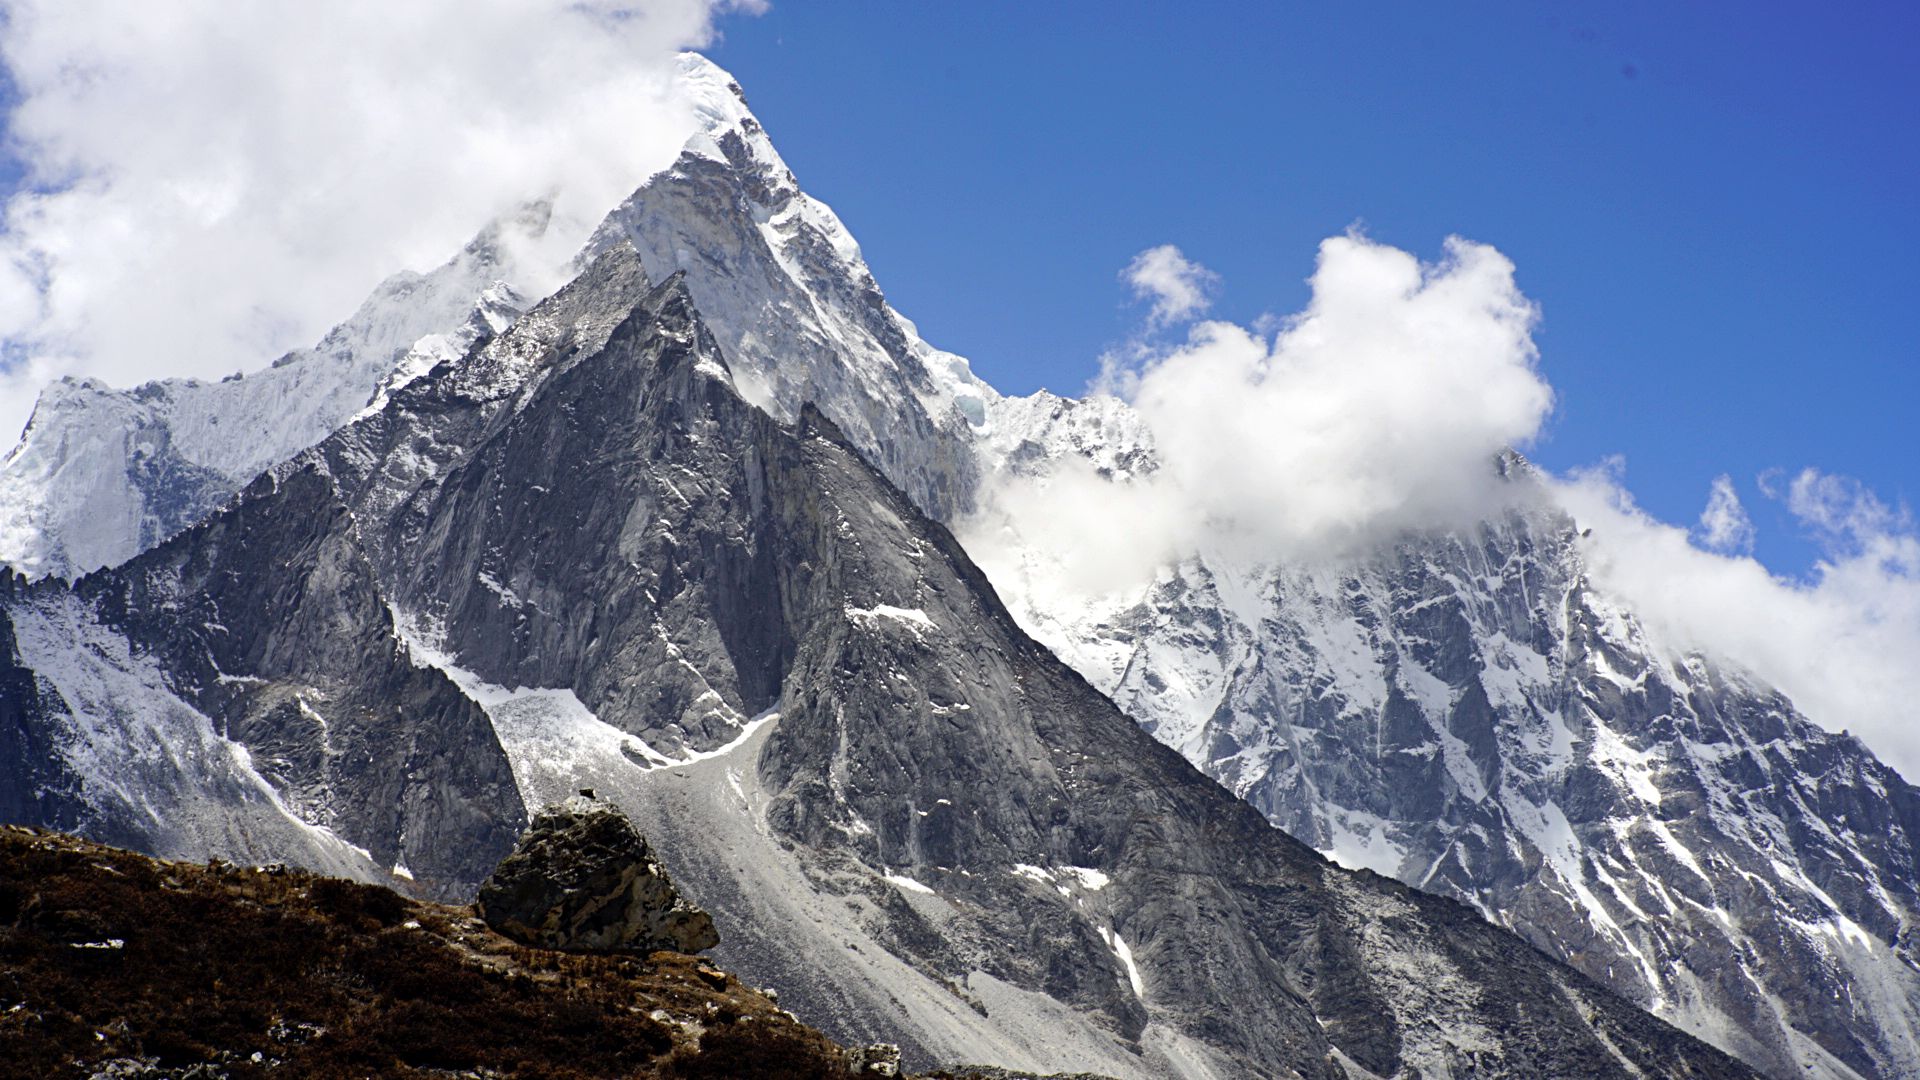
x=782, y=283
x=1468, y=714
x=580, y=552
x=100, y=474
x=1471, y=714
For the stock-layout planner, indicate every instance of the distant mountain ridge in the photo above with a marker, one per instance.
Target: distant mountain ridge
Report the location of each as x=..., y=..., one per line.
x=1469, y=713
x=100, y=475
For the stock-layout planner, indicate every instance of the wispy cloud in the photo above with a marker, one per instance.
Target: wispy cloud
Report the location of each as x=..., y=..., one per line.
x=1179, y=288
x=212, y=183
x=1724, y=524
x=1847, y=517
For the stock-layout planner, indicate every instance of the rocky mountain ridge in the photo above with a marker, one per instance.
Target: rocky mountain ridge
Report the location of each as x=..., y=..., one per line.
x=102, y=474
x=1471, y=714
x=799, y=686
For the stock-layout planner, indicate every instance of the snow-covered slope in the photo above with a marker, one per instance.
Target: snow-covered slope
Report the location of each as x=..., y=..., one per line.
x=149, y=767
x=781, y=282
x=102, y=474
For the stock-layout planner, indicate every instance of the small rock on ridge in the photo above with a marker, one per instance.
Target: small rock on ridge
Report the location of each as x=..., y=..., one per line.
x=583, y=879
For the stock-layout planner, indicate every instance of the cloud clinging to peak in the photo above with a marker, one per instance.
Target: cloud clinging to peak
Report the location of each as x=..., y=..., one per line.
x=211, y=183
x=1381, y=408
x=1378, y=412
x=1841, y=642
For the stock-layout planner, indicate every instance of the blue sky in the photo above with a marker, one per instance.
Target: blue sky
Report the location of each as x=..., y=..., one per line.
x=1714, y=204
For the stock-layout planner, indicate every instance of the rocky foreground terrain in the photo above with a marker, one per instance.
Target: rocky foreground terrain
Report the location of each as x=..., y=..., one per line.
x=113, y=964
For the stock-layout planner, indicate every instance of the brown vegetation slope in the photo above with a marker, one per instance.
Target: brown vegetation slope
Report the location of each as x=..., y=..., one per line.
x=112, y=961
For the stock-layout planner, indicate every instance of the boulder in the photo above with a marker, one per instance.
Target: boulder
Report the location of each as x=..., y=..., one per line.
x=583, y=879
x=879, y=1059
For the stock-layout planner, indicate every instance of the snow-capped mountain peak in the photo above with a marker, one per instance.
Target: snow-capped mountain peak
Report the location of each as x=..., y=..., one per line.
x=101, y=474
x=780, y=280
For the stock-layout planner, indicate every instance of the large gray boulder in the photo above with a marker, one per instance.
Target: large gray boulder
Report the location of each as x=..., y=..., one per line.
x=583, y=879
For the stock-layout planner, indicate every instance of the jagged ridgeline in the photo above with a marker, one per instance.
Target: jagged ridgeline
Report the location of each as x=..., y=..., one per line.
x=571, y=554
x=912, y=819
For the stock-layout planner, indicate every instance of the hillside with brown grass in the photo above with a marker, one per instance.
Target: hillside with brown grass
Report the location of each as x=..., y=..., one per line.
x=115, y=964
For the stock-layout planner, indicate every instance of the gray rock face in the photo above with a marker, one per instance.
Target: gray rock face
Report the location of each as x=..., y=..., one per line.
x=912, y=817
x=238, y=692
x=583, y=879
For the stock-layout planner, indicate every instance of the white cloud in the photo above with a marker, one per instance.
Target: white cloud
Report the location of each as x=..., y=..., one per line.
x=1724, y=524
x=1842, y=644
x=1847, y=517
x=213, y=183
x=1379, y=409
x=1178, y=287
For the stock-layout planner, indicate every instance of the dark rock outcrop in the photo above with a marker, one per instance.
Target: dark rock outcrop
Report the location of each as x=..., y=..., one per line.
x=583, y=879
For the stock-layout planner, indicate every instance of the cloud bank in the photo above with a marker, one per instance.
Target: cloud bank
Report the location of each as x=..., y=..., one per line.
x=210, y=184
